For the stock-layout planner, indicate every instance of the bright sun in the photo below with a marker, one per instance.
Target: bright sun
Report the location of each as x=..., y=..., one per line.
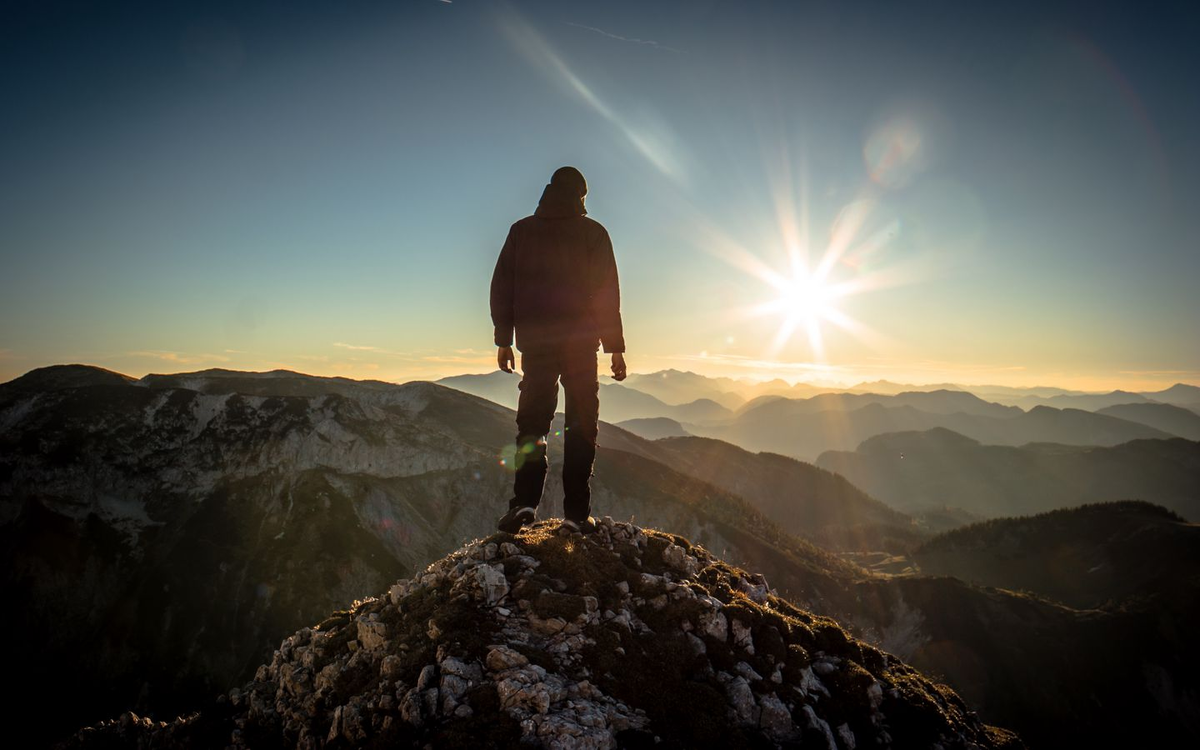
x=806, y=300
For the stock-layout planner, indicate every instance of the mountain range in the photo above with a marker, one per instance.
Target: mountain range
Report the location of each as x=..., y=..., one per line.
x=167, y=531
x=160, y=536
x=779, y=420
x=915, y=471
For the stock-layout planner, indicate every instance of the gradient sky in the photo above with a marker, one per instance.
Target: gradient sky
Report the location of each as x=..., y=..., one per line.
x=325, y=186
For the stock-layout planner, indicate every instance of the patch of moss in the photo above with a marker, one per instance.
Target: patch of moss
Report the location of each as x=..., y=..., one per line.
x=552, y=604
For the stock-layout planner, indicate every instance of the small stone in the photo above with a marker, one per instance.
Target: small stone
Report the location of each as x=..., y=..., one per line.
x=411, y=708
x=824, y=667
x=714, y=625
x=774, y=718
x=492, y=583
x=810, y=684
x=742, y=636
x=500, y=658
x=397, y=592
x=372, y=634
x=428, y=677
x=551, y=626
x=820, y=725
x=508, y=549
x=846, y=735
x=741, y=698
x=875, y=694
x=747, y=671
x=451, y=690
x=469, y=671
x=432, y=630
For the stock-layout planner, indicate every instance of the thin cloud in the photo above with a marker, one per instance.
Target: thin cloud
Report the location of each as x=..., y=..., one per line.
x=650, y=137
x=358, y=348
x=1158, y=372
x=180, y=358
x=630, y=39
x=455, y=359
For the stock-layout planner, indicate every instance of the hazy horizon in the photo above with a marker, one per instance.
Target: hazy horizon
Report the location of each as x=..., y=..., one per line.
x=820, y=193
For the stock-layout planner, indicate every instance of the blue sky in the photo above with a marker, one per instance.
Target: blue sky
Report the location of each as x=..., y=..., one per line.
x=324, y=186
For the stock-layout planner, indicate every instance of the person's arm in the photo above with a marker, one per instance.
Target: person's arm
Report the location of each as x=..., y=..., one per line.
x=503, y=278
x=606, y=297
x=606, y=304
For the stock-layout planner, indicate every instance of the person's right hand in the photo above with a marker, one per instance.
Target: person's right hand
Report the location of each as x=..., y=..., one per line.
x=505, y=358
x=618, y=367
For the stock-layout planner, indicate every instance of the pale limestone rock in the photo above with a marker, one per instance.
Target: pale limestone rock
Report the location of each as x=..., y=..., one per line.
x=500, y=658
x=714, y=625
x=492, y=583
x=372, y=634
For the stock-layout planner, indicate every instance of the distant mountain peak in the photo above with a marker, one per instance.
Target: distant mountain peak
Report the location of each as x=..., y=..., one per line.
x=624, y=638
x=57, y=377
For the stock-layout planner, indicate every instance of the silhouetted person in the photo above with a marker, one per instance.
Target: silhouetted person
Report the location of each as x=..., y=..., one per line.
x=555, y=284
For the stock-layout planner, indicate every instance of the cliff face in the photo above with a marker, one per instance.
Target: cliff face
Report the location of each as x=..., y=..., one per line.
x=626, y=638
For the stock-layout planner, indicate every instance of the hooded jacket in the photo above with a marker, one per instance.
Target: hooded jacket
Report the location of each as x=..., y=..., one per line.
x=555, y=282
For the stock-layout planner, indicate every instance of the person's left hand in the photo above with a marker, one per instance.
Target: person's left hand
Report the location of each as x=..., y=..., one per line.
x=505, y=358
x=618, y=367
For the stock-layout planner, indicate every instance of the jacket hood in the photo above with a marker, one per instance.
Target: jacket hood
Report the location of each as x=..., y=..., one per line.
x=559, y=202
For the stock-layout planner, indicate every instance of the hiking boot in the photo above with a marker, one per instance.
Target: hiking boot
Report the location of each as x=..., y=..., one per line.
x=586, y=526
x=512, y=521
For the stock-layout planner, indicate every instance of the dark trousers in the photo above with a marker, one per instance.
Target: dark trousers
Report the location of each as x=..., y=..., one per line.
x=541, y=372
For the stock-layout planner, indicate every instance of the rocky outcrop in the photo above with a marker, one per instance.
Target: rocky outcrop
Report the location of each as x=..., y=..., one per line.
x=625, y=638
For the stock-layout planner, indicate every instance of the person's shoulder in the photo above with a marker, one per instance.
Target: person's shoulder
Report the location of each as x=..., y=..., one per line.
x=524, y=222
x=594, y=226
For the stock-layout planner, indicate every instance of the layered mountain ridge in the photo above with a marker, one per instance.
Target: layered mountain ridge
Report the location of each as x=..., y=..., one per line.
x=158, y=542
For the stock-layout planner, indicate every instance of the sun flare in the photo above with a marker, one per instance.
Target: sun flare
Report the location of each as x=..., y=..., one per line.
x=806, y=299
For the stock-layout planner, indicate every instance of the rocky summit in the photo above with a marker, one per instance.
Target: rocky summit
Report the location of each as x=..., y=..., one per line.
x=628, y=637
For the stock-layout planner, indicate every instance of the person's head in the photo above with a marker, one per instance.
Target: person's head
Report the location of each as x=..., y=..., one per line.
x=570, y=180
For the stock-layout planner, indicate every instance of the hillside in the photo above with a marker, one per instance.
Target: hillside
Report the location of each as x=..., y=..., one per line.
x=1174, y=420
x=1085, y=557
x=632, y=638
x=913, y=471
x=806, y=501
x=653, y=428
